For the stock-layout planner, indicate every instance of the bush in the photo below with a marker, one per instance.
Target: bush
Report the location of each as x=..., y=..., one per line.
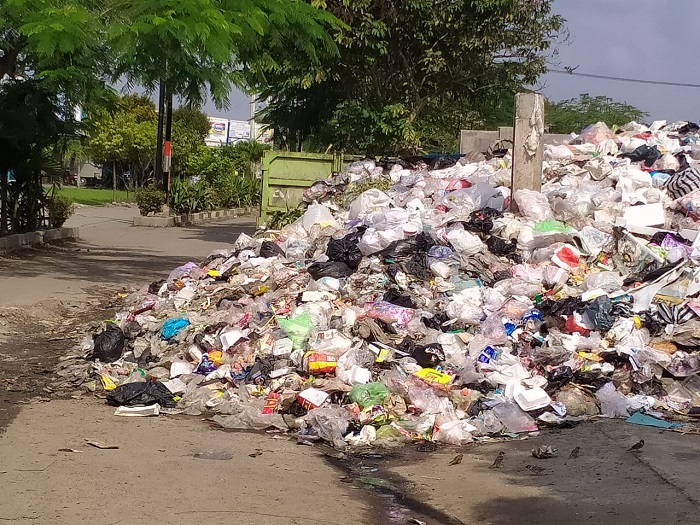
x=237, y=192
x=150, y=199
x=186, y=197
x=60, y=210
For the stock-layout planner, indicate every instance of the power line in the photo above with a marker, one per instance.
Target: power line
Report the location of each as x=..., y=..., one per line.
x=622, y=79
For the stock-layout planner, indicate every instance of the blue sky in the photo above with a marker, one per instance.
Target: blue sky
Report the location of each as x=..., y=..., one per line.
x=645, y=39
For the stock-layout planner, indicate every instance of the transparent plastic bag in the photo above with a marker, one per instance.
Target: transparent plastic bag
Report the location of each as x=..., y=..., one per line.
x=330, y=424
x=514, y=419
x=612, y=403
x=607, y=281
x=533, y=205
x=318, y=215
x=456, y=432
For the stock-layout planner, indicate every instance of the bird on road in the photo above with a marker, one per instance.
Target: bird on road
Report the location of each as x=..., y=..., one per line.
x=575, y=452
x=457, y=460
x=636, y=447
x=535, y=469
x=499, y=459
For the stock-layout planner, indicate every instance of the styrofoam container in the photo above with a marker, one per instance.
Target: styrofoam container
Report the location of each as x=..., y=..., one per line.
x=532, y=399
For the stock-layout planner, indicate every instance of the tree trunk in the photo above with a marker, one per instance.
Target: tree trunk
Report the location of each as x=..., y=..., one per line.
x=114, y=182
x=3, y=202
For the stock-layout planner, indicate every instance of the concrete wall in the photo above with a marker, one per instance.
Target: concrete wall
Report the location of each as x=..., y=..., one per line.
x=12, y=243
x=477, y=140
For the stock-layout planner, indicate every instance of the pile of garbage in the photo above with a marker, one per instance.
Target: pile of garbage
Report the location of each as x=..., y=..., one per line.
x=409, y=303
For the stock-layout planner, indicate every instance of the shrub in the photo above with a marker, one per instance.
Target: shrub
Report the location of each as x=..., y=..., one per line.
x=186, y=197
x=150, y=199
x=60, y=210
x=237, y=192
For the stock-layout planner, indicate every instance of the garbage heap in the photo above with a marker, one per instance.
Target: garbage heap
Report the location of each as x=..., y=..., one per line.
x=408, y=303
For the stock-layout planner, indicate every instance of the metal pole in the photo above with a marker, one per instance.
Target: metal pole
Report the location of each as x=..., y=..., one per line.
x=167, y=158
x=159, y=138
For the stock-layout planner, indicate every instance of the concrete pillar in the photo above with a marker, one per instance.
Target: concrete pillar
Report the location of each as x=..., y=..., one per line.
x=527, y=143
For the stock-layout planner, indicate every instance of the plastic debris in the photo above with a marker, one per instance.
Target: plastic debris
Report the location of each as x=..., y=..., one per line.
x=410, y=304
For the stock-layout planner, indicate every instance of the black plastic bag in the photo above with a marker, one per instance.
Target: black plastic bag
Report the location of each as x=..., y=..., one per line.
x=270, y=249
x=155, y=286
x=428, y=356
x=417, y=265
x=648, y=154
x=329, y=269
x=481, y=221
x=141, y=394
x=600, y=313
x=436, y=322
x=346, y=250
x=421, y=243
x=501, y=247
x=109, y=344
x=394, y=297
x=259, y=372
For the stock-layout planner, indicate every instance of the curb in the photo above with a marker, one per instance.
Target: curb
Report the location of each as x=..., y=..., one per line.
x=20, y=241
x=192, y=218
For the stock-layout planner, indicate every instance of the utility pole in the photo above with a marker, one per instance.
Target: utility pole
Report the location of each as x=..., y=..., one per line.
x=528, y=130
x=167, y=158
x=159, y=137
x=253, y=135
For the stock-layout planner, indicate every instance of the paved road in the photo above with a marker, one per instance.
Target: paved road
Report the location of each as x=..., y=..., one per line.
x=154, y=478
x=110, y=252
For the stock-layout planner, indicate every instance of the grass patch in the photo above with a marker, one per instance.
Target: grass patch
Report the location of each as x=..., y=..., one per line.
x=94, y=196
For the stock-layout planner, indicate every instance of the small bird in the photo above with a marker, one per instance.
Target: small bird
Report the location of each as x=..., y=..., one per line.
x=457, y=460
x=636, y=447
x=499, y=459
x=575, y=452
x=535, y=469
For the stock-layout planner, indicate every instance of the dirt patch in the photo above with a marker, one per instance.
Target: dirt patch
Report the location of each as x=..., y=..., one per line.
x=34, y=339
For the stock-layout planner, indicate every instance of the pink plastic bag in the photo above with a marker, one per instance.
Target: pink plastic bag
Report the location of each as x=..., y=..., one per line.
x=390, y=313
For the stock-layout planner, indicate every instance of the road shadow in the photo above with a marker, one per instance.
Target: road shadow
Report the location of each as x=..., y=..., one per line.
x=224, y=233
x=79, y=261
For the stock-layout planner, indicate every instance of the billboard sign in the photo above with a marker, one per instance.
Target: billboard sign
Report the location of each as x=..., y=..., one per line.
x=218, y=132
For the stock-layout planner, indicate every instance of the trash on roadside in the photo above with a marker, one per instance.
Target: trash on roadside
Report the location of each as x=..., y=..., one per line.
x=408, y=304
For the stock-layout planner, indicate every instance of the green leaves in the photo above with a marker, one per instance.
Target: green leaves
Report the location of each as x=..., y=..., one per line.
x=197, y=47
x=571, y=116
x=410, y=71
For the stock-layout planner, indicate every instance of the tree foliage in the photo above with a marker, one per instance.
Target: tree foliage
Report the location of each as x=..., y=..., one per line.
x=196, y=48
x=571, y=116
x=409, y=71
x=124, y=135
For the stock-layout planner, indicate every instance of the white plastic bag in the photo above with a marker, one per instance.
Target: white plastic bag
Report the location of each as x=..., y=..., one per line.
x=369, y=202
x=612, y=402
x=533, y=205
x=465, y=242
x=318, y=215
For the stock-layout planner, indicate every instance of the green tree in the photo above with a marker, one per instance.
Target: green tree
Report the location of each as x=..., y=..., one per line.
x=410, y=71
x=124, y=136
x=30, y=129
x=75, y=48
x=245, y=156
x=571, y=116
x=190, y=128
